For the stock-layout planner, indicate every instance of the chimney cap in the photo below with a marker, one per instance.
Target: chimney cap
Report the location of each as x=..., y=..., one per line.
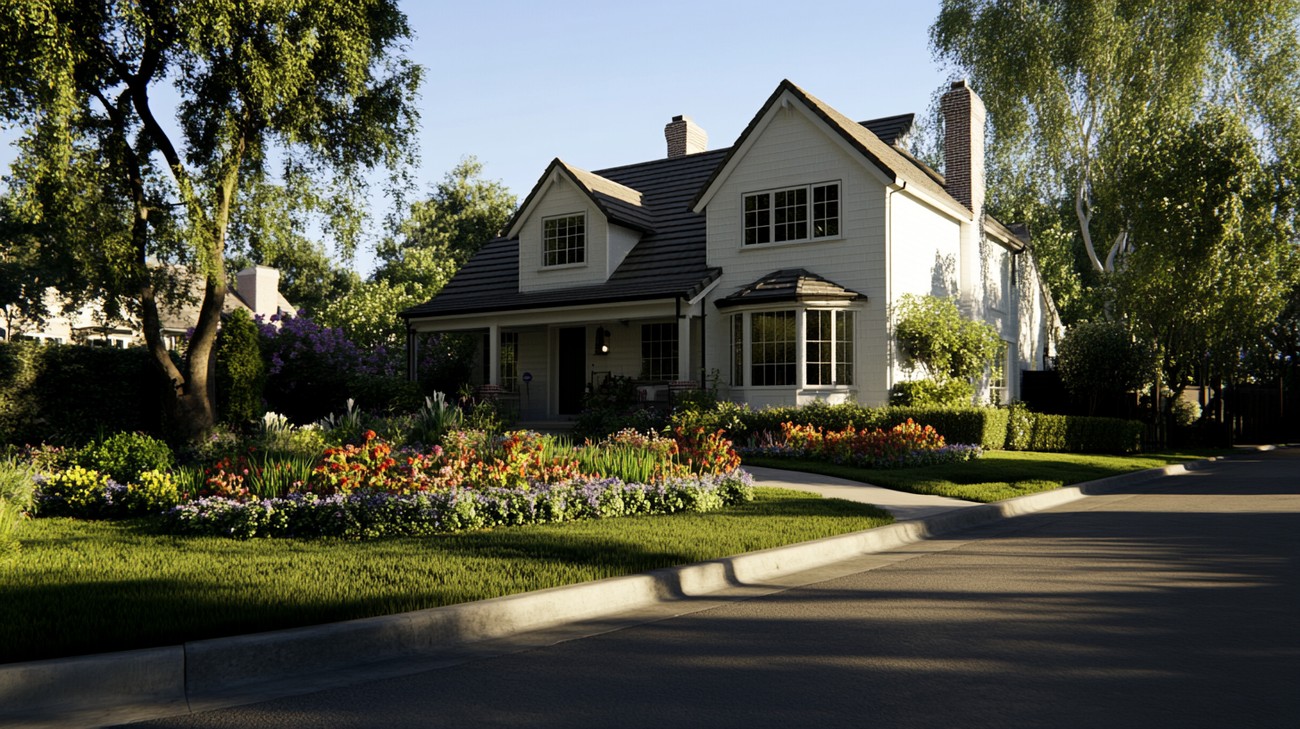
x=962, y=84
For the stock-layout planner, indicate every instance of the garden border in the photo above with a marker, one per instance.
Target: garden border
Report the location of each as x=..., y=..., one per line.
x=158, y=682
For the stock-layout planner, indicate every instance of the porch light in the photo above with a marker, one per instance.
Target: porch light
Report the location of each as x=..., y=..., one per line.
x=602, y=340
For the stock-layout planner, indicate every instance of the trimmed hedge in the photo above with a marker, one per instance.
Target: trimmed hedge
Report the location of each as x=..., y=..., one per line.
x=985, y=427
x=69, y=394
x=1030, y=431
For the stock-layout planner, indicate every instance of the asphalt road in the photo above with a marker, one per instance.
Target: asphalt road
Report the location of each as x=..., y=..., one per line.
x=1174, y=604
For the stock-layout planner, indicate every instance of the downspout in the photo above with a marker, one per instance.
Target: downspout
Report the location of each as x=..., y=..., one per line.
x=889, y=289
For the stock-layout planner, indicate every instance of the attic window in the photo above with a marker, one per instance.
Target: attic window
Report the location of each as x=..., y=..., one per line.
x=793, y=214
x=564, y=240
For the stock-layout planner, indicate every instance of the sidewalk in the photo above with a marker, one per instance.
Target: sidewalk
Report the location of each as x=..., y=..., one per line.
x=903, y=505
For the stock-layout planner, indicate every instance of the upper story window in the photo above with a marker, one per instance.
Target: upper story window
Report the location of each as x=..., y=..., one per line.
x=793, y=214
x=564, y=240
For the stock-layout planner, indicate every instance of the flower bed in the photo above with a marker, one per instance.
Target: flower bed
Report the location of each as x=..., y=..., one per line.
x=473, y=480
x=378, y=514
x=905, y=445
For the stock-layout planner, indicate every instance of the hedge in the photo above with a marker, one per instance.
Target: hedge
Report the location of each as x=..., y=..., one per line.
x=1029, y=431
x=69, y=394
x=985, y=427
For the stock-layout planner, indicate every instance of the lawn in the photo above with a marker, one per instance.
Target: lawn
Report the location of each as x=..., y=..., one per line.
x=81, y=587
x=997, y=475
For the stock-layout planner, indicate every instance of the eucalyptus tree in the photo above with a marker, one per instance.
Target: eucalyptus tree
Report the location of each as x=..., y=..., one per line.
x=323, y=83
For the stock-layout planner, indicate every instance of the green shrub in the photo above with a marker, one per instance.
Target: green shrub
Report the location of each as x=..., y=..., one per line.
x=1073, y=434
x=125, y=456
x=985, y=427
x=151, y=493
x=929, y=393
x=15, y=499
x=241, y=375
x=67, y=395
x=1020, y=426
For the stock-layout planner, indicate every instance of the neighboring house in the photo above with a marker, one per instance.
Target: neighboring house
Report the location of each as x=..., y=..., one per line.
x=256, y=290
x=771, y=267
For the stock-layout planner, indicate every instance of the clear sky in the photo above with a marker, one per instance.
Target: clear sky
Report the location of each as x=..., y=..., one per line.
x=517, y=83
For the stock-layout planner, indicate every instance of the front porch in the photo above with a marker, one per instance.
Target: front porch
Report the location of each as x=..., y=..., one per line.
x=546, y=362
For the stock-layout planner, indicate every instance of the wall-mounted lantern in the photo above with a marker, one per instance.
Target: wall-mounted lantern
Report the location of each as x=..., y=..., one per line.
x=602, y=340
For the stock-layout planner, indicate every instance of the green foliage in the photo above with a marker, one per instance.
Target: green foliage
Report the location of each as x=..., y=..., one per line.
x=932, y=334
x=68, y=395
x=1030, y=431
x=1095, y=358
x=953, y=393
x=241, y=376
x=436, y=417
x=984, y=427
x=124, y=456
x=77, y=491
x=323, y=86
x=368, y=312
x=151, y=492
x=613, y=406
x=15, y=500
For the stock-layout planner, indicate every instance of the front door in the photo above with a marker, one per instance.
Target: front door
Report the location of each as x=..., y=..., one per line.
x=572, y=376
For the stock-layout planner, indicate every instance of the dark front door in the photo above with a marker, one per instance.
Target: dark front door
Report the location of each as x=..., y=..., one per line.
x=573, y=369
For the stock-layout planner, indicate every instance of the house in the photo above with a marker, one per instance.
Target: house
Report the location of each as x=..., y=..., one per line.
x=769, y=268
x=256, y=290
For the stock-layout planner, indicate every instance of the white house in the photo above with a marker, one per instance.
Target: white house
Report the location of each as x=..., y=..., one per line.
x=770, y=267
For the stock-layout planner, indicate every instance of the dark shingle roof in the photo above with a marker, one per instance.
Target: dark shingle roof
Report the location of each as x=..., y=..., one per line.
x=786, y=285
x=890, y=128
x=668, y=262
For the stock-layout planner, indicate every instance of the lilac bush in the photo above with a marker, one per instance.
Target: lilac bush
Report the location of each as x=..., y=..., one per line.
x=367, y=515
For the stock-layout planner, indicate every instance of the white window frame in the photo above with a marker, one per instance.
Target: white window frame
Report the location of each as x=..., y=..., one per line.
x=771, y=226
x=741, y=350
x=582, y=248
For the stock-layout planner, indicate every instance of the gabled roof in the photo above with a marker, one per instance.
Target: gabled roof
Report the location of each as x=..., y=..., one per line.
x=789, y=285
x=890, y=161
x=668, y=262
x=619, y=203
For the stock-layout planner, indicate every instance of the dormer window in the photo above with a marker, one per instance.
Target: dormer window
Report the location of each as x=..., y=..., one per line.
x=564, y=240
x=793, y=214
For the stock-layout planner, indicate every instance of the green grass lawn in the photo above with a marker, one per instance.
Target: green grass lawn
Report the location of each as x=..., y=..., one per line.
x=82, y=587
x=997, y=475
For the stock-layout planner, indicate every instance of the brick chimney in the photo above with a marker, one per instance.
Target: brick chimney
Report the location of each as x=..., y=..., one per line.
x=685, y=137
x=963, y=146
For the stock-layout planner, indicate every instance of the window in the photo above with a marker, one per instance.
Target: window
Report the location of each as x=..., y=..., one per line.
x=792, y=214
x=659, y=351
x=564, y=240
x=772, y=348
x=509, y=361
x=828, y=347
x=1001, y=370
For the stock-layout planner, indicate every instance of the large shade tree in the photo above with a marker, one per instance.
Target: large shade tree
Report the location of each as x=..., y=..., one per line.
x=323, y=84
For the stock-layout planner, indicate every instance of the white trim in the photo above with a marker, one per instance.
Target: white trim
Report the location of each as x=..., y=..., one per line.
x=809, y=221
x=707, y=290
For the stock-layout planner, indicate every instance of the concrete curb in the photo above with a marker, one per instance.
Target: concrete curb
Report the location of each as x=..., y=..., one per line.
x=117, y=687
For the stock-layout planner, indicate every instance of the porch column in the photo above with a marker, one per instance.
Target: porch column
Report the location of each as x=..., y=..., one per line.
x=684, y=347
x=494, y=355
x=412, y=355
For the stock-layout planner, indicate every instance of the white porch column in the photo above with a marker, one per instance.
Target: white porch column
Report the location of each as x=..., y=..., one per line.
x=494, y=355
x=684, y=347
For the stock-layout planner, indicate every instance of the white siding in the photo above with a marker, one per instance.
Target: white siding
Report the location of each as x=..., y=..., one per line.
x=794, y=150
x=621, y=242
x=562, y=198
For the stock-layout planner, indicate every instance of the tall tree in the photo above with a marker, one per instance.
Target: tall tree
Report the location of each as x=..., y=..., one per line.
x=1076, y=88
x=322, y=83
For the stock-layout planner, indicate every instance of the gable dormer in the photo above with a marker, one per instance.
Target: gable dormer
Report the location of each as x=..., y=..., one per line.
x=575, y=228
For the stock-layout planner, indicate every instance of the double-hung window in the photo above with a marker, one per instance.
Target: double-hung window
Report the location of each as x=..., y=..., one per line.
x=799, y=213
x=772, y=340
x=509, y=361
x=564, y=240
x=659, y=351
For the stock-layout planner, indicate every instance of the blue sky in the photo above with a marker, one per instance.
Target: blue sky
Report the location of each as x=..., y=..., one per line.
x=518, y=83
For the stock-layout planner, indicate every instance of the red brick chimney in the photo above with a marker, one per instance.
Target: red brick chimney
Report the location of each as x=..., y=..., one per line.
x=685, y=137
x=963, y=146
